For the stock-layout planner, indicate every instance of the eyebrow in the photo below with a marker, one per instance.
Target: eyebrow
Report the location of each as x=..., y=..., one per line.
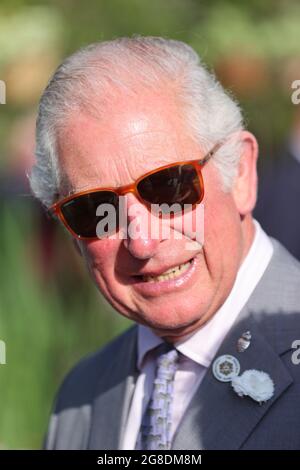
x=66, y=182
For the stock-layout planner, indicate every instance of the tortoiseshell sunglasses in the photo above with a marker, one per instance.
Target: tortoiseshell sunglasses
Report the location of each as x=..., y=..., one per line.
x=174, y=186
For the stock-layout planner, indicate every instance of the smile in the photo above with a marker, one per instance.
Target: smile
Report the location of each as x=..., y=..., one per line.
x=171, y=273
x=174, y=279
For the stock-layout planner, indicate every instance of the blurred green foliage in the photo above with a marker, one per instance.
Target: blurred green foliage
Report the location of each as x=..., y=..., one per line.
x=48, y=326
x=44, y=334
x=267, y=30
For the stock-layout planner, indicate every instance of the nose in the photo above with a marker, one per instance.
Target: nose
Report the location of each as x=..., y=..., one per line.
x=142, y=237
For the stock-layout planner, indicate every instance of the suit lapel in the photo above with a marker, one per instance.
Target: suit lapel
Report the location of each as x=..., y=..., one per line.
x=114, y=392
x=217, y=418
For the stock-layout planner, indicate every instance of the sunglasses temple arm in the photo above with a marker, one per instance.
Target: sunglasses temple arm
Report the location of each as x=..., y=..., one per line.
x=51, y=211
x=211, y=153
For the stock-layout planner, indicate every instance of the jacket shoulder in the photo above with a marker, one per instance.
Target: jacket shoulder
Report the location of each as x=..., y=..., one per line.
x=69, y=426
x=79, y=385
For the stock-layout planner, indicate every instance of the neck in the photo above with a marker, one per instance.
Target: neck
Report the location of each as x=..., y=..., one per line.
x=248, y=230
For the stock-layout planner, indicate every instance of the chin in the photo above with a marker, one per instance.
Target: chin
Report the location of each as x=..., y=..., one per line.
x=172, y=326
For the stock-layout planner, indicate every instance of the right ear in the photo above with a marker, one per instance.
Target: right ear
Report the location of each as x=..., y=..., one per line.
x=77, y=246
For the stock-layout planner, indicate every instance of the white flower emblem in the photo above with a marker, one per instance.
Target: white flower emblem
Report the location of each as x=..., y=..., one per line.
x=254, y=383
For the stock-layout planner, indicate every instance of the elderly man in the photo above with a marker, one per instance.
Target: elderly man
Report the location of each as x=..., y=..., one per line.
x=210, y=365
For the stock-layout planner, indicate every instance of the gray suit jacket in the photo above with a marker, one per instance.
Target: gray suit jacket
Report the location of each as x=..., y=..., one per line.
x=93, y=402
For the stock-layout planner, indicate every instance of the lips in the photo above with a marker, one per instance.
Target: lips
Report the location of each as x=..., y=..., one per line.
x=173, y=279
x=171, y=273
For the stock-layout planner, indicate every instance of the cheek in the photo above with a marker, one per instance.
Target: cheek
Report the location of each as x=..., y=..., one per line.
x=99, y=256
x=190, y=224
x=222, y=235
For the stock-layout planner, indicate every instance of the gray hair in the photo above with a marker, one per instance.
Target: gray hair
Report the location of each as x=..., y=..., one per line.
x=88, y=79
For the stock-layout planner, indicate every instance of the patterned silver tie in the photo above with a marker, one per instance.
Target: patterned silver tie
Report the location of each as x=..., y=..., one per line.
x=155, y=431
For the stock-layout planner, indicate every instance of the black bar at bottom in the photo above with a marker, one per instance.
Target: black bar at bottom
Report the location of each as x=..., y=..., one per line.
x=141, y=459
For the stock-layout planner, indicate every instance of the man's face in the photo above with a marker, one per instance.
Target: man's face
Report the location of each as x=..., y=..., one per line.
x=135, y=137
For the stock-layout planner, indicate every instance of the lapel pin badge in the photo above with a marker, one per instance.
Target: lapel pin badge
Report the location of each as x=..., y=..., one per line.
x=225, y=368
x=244, y=342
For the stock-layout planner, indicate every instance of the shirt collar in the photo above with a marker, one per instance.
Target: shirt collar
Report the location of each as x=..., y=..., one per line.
x=202, y=345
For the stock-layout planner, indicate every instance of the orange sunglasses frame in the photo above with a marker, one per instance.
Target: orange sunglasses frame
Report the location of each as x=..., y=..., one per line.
x=55, y=209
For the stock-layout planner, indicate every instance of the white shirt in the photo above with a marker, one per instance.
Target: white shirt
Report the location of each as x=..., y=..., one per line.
x=199, y=349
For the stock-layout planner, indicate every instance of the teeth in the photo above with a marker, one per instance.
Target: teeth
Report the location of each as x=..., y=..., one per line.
x=170, y=274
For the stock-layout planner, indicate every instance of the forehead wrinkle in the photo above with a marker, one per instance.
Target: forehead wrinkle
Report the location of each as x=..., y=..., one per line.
x=143, y=156
x=135, y=166
x=142, y=133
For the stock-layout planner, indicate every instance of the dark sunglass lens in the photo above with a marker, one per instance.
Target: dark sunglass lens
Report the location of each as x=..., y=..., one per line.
x=177, y=186
x=81, y=212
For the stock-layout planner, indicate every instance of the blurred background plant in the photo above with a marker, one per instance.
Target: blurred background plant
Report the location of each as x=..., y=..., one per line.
x=50, y=314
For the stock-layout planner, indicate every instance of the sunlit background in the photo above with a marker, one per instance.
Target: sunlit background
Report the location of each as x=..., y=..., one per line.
x=50, y=314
